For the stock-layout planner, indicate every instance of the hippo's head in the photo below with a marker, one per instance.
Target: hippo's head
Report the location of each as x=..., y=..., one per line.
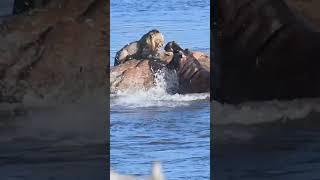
x=172, y=47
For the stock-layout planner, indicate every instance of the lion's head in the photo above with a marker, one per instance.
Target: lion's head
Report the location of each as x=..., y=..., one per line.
x=151, y=42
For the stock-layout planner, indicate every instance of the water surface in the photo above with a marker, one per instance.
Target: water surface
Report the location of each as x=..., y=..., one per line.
x=178, y=137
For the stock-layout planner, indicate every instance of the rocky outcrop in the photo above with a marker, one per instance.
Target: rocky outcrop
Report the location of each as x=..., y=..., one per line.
x=134, y=75
x=55, y=53
x=265, y=52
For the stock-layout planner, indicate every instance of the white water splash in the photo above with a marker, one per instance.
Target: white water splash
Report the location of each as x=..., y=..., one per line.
x=262, y=112
x=162, y=94
x=156, y=174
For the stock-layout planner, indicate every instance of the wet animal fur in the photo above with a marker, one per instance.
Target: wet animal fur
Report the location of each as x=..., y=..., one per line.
x=146, y=48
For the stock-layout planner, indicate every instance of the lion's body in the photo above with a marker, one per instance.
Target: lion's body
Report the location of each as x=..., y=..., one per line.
x=146, y=48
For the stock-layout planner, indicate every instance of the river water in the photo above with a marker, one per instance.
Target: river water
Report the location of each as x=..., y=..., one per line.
x=154, y=125
x=177, y=136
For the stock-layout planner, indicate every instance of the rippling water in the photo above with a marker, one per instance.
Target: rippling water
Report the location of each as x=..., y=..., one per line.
x=154, y=125
x=179, y=137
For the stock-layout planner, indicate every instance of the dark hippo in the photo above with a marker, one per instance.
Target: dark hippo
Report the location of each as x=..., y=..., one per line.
x=172, y=47
x=264, y=52
x=193, y=69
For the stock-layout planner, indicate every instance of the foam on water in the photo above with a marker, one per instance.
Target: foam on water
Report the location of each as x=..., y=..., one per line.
x=162, y=94
x=262, y=112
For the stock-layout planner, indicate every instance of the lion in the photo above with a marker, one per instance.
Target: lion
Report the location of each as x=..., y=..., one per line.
x=146, y=48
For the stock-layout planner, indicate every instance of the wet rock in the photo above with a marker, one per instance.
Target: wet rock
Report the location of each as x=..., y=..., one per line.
x=134, y=75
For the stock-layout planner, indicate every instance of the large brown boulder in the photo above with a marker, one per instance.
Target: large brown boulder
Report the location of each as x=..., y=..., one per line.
x=132, y=75
x=56, y=53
